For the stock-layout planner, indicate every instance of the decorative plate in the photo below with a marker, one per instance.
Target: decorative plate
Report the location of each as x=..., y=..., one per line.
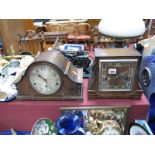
x=44, y=126
x=137, y=129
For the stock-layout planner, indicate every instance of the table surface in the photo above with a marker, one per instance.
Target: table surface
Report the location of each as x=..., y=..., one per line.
x=21, y=115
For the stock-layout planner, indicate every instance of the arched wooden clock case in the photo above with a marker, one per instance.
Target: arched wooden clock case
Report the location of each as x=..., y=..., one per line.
x=51, y=77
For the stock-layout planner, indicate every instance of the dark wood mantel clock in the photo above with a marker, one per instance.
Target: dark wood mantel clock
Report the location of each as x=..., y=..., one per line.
x=51, y=77
x=116, y=74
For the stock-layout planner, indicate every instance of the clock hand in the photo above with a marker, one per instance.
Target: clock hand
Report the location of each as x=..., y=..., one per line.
x=46, y=81
x=42, y=78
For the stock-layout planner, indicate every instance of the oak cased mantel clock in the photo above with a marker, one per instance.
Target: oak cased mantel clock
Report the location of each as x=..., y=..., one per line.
x=116, y=74
x=51, y=77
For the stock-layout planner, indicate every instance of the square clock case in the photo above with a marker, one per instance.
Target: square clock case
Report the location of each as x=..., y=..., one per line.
x=116, y=74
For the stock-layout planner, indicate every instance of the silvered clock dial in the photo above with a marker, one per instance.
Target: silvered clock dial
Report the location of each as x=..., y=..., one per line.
x=112, y=131
x=137, y=129
x=116, y=75
x=146, y=77
x=44, y=79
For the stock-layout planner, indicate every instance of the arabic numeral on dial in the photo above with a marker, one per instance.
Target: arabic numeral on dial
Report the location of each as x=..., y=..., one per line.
x=56, y=83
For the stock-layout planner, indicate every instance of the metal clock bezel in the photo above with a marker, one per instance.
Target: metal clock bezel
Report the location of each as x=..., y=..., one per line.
x=115, y=60
x=149, y=73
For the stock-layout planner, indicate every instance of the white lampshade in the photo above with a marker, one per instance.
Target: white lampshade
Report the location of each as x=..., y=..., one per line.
x=122, y=28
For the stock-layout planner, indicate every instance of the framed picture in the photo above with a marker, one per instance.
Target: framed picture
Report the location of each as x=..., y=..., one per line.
x=101, y=120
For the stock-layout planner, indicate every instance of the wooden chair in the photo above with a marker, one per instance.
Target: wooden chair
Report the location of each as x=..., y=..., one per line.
x=54, y=32
x=30, y=42
x=31, y=45
x=71, y=30
x=54, y=28
x=30, y=34
x=40, y=28
x=83, y=33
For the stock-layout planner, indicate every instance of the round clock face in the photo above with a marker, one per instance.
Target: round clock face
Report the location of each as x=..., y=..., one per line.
x=112, y=128
x=137, y=129
x=146, y=77
x=45, y=79
x=112, y=131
